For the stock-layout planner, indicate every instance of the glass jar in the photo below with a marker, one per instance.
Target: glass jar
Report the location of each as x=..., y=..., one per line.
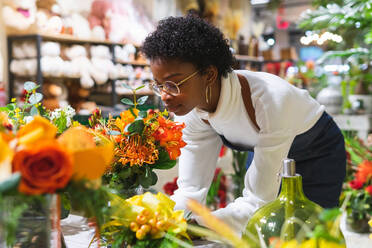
x=39, y=223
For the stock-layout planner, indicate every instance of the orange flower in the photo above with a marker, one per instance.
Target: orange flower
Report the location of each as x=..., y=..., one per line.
x=133, y=151
x=126, y=117
x=364, y=171
x=44, y=168
x=169, y=134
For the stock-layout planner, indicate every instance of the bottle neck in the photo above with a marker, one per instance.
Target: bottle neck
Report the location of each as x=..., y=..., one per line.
x=292, y=188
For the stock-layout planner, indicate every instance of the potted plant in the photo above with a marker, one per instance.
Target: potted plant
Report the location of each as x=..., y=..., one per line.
x=352, y=20
x=358, y=187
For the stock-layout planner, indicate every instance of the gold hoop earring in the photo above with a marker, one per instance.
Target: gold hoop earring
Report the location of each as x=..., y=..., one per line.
x=208, y=93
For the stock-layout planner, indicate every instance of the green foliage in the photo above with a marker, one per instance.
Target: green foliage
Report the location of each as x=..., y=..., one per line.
x=136, y=127
x=127, y=101
x=352, y=19
x=213, y=189
x=90, y=200
x=239, y=166
x=164, y=162
x=124, y=237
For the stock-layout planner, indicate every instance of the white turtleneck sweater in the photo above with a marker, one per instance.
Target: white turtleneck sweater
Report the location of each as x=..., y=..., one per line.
x=282, y=111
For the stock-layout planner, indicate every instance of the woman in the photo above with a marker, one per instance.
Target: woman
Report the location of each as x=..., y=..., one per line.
x=191, y=65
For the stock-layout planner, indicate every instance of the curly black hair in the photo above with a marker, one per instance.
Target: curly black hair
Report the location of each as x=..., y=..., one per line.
x=189, y=39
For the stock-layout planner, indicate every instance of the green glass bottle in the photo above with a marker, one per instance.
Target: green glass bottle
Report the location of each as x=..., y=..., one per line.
x=289, y=216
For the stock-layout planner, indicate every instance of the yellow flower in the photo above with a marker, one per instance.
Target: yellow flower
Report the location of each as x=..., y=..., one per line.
x=90, y=159
x=13, y=100
x=148, y=213
x=35, y=131
x=290, y=244
x=6, y=155
x=329, y=244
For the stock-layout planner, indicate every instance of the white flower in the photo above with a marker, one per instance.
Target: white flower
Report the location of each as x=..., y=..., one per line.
x=28, y=119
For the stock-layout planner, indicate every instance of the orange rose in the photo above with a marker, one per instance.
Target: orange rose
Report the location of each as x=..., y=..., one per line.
x=44, y=168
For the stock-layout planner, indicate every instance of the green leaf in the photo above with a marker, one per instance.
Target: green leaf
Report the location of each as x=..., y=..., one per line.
x=136, y=127
x=11, y=106
x=10, y=183
x=329, y=214
x=132, y=112
x=140, y=87
x=34, y=111
x=35, y=98
x=29, y=86
x=127, y=101
x=142, y=100
x=145, y=180
x=154, y=178
x=125, y=173
x=142, y=114
x=164, y=162
x=127, y=86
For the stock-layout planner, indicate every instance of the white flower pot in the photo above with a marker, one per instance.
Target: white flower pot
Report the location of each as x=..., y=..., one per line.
x=331, y=98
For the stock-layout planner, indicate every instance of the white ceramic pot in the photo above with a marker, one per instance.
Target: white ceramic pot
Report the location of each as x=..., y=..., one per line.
x=331, y=98
x=366, y=99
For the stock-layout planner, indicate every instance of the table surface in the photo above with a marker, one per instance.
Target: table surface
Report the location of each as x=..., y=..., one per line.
x=78, y=234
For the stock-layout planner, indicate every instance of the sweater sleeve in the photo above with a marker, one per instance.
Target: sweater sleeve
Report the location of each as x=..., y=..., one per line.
x=197, y=161
x=261, y=179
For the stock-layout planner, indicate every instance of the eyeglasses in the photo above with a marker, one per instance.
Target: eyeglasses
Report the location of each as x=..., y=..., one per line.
x=169, y=87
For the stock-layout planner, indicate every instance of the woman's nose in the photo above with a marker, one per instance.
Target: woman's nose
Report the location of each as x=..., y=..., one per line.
x=165, y=96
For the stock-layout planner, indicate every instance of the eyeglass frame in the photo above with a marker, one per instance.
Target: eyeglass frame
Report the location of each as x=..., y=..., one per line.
x=154, y=84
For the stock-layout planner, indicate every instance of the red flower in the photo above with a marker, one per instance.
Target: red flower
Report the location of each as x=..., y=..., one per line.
x=170, y=187
x=355, y=184
x=222, y=151
x=369, y=189
x=364, y=172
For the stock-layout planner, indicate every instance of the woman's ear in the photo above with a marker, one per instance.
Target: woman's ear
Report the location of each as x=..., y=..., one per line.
x=211, y=74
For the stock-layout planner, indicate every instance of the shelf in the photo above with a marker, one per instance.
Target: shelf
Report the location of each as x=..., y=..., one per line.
x=47, y=77
x=66, y=38
x=248, y=58
x=133, y=63
x=260, y=59
x=140, y=92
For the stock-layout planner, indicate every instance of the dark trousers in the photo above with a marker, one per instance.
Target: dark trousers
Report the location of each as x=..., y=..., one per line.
x=320, y=159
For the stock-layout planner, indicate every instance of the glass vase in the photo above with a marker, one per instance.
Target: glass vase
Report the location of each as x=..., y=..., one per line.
x=288, y=217
x=37, y=227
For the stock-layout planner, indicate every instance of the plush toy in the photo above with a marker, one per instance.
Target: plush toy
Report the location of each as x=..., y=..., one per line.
x=48, y=23
x=51, y=62
x=79, y=65
x=121, y=21
x=103, y=67
x=100, y=14
x=19, y=14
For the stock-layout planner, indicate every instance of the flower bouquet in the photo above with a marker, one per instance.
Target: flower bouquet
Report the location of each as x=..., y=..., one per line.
x=145, y=220
x=38, y=166
x=358, y=189
x=143, y=140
